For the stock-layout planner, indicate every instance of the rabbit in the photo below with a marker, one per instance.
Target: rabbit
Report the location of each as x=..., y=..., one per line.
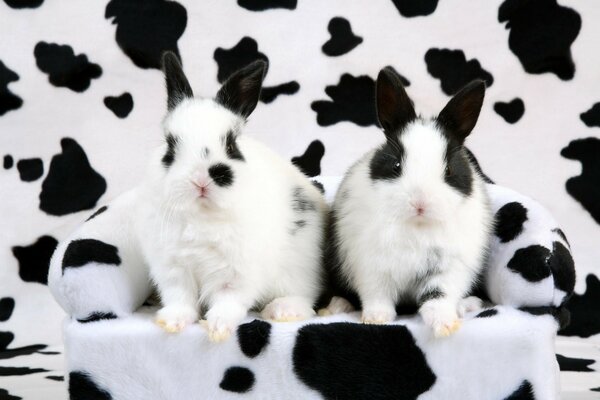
x=411, y=221
x=222, y=223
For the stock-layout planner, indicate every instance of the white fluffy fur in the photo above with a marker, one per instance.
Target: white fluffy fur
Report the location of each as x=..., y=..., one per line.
x=384, y=246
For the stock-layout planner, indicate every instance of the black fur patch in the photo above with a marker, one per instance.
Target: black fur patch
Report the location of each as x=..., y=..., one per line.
x=221, y=174
x=319, y=186
x=263, y=5
x=387, y=161
x=239, y=56
x=169, y=158
x=563, y=268
x=555, y=28
x=4, y=395
x=141, y=32
x=300, y=202
x=560, y=314
x=342, y=40
x=98, y=212
x=333, y=359
x=82, y=387
x=592, y=116
x=8, y=100
x=71, y=184
x=531, y=262
x=415, y=8
x=30, y=169
x=34, y=259
x=509, y=221
x=8, y=162
x=562, y=235
x=232, y=149
x=121, y=105
x=253, y=337
x=453, y=70
x=511, y=111
x=475, y=164
x=24, y=3
x=490, y=312
x=237, y=380
x=310, y=162
x=574, y=364
x=524, y=392
x=584, y=309
x=20, y=371
x=7, y=305
x=269, y=93
x=97, y=316
x=84, y=251
x=429, y=294
x=458, y=172
x=64, y=68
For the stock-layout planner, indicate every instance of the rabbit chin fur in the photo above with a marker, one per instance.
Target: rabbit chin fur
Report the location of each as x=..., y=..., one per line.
x=388, y=254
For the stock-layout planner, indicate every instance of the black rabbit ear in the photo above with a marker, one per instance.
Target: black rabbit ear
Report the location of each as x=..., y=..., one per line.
x=460, y=115
x=178, y=87
x=241, y=91
x=394, y=107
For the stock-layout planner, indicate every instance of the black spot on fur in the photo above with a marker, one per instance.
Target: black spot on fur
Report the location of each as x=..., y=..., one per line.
x=585, y=188
x=541, y=34
x=20, y=371
x=98, y=212
x=475, y=164
x=239, y=56
x=458, y=172
x=592, y=116
x=4, y=395
x=300, y=202
x=72, y=184
x=270, y=93
x=34, y=259
x=584, y=309
x=7, y=305
x=145, y=33
x=562, y=235
x=310, y=162
x=342, y=40
x=429, y=294
x=509, y=221
x=490, y=312
x=333, y=360
x=319, y=186
x=415, y=8
x=24, y=3
x=253, y=337
x=237, y=380
x=524, y=392
x=30, y=169
x=221, y=174
x=82, y=387
x=58, y=378
x=84, y=251
x=263, y=5
x=8, y=100
x=97, y=316
x=8, y=162
x=64, y=68
x=387, y=161
x=121, y=105
x=453, y=70
x=563, y=268
x=531, y=262
x=574, y=364
x=231, y=148
x=560, y=314
x=511, y=111
x=169, y=157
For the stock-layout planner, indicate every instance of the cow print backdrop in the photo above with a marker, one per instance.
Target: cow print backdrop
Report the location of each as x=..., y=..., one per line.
x=81, y=101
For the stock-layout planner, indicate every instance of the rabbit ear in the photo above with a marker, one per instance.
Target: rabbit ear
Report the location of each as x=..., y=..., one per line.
x=394, y=107
x=178, y=87
x=241, y=91
x=460, y=115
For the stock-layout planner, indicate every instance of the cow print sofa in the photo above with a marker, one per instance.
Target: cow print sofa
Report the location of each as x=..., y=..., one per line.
x=505, y=351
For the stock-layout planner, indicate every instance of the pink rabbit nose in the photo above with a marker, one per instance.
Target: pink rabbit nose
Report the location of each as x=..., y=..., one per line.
x=419, y=207
x=202, y=186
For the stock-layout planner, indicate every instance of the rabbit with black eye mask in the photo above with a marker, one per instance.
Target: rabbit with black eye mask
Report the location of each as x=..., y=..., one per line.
x=411, y=220
x=226, y=224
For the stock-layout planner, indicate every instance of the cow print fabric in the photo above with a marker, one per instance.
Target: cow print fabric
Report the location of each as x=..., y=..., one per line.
x=81, y=103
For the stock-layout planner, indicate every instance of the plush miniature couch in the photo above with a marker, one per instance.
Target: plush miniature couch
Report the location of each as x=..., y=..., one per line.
x=502, y=352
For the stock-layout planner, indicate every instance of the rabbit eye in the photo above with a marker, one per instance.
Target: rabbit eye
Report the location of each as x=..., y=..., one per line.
x=397, y=166
x=448, y=170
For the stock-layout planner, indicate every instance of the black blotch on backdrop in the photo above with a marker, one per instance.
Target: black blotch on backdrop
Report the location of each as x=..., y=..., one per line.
x=524, y=392
x=146, y=30
x=511, y=111
x=81, y=252
x=8, y=100
x=30, y=169
x=326, y=353
x=263, y=5
x=58, y=378
x=270, y=93
x=34, y=259
x=310, y=162
x=574, y=364
x=531, y=263
x=121, y=105
x=23, y=4
x=5, y=339
x=253, y=337
x=237, y=380
x=97, y=212
x=97, y=316
x=541, y=34
x=509, y=220
x=21, y=351
x=82, y=387
x=240, y=55
x=8, y=162
x=595, y=389
x=584, y=309
x=342, y=40
x=7, y=305
x=72, y=184
x=453, y=70
x=64, y=68
x=4, y=395
x=20, y=371
x=415, y=8
x=490, y=312
x=592, y=116
x=585, y=188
